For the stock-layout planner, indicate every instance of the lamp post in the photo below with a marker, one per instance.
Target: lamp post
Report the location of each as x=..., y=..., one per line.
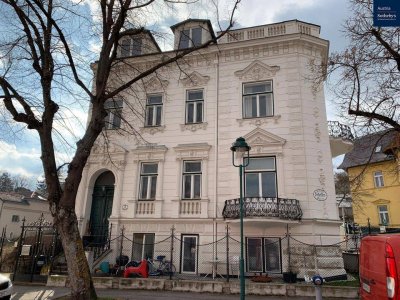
x=240, y=146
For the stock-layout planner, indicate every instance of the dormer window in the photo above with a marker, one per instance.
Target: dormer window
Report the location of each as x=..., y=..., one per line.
x=131, y=46
x=378, y=149
x=190, y=38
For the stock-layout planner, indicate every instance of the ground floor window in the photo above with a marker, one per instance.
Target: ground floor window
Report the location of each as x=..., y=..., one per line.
x=263, y=255
x=143, y=246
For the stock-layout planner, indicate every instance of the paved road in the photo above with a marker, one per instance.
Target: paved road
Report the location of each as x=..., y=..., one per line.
x=43, y=292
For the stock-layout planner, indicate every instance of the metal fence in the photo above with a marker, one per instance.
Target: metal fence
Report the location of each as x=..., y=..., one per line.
x=185, y=257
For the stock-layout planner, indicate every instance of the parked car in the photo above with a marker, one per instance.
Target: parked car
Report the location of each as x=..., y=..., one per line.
x=6, y=287
x=380, y=267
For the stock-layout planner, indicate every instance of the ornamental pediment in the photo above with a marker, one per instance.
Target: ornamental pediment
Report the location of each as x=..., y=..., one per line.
x=103, y=148
x=257, y=70
x=192, y=151
x=195, y=79
x=155, y=84
x=264, y=142
x=381, y=201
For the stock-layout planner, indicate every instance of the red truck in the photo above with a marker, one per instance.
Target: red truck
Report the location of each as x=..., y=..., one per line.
x=380, y=267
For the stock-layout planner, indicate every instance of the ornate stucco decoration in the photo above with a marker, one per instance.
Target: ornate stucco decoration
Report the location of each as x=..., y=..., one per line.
x=257, y=71
x=195, y=79
x=152, y=130
x=149, y=152
x=194, y=127
x=381, y=201
x=264, y=142
x=108, y=154
x=192, y=151
x=259, y=121
x=154, y=84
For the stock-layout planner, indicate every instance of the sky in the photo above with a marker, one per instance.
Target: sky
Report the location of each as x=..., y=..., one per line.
x=20, y=148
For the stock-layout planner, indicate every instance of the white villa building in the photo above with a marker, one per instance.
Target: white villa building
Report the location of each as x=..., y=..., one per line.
x=177, y=170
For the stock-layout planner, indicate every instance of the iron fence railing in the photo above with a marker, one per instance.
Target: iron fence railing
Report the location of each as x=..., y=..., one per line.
x=282, y=208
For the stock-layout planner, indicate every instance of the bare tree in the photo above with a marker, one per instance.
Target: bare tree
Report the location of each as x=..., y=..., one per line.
x=365, y=76
x=41, y=67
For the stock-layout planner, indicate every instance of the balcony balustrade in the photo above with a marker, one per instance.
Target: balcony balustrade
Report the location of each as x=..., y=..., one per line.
x=281, y=208
x=341, y=138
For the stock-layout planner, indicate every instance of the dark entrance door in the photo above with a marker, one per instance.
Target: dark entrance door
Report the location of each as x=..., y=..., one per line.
x=103, y=194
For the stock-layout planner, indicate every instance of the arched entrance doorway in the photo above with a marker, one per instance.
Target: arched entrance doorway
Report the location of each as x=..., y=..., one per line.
x=102, y=200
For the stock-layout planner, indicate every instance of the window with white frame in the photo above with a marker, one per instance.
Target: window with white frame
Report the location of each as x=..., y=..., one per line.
x=378, y=179
x=190, y=38
x=143, y=246
x=131, y=46
x=260, y=177
x=114, y=113
x=258, y=99
x=383, y=214
x=15, y=218
x=154, y=110
x=191, y=179
x=148, y=181
x=194, y=106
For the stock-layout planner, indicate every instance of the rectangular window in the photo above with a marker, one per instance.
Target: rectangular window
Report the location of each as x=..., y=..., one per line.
x=378, y=179
x=191, y=178
x=260, y=177
x=190, y=38
x=154, y=110
x=131, y=46
x=148, y=181
x=114, y=110
x=383, y=214
x=258, y=100
x=194, y=106
x=15, y=219
x=263, y=255
x=143, y=246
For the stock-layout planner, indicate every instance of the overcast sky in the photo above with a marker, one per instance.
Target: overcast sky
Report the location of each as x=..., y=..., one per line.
x=20, y=154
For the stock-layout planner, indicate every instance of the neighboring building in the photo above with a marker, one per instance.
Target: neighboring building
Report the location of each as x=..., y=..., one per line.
x=345, y=208
x=178, y=171
x=15, y=207
x=372, y=166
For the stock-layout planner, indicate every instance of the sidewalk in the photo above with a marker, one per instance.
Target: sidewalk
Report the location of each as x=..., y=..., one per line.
x=22, y=292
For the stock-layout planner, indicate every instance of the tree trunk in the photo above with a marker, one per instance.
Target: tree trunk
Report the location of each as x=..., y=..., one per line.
x=78, y=268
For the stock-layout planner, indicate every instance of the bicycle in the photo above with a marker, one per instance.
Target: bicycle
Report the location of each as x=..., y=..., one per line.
x=164, y=267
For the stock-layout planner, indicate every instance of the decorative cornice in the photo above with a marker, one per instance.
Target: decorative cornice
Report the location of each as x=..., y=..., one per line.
x=257, y=71
x=192, y=151
x=194, y=127
x=195, y=79
x=154, y=84
x=152, y=130
x=149, y=152
x=258, y=121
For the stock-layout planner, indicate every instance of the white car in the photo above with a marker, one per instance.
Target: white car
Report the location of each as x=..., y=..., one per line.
x=6, y=287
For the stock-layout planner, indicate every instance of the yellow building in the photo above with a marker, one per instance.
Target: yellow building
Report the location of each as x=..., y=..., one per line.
x=373, y=171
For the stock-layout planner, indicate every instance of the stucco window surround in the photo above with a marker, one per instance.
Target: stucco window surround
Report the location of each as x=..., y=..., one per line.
x=257, y=96
x=155, y=86
x=149, y=154
x=265, y=144
x=192, y=83
x=197, y=152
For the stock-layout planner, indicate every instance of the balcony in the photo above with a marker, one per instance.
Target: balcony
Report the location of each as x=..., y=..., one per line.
x=281, y=208
x=341, y=138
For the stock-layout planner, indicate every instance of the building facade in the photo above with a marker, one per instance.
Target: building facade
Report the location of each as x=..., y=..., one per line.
x=177, y=170
x=372, y=166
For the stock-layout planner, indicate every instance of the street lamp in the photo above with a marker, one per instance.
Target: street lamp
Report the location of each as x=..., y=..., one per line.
x=240, y=146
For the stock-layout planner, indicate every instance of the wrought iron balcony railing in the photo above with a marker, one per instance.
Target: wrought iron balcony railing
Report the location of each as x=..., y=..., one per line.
x=288, y=209
x=337, y=130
